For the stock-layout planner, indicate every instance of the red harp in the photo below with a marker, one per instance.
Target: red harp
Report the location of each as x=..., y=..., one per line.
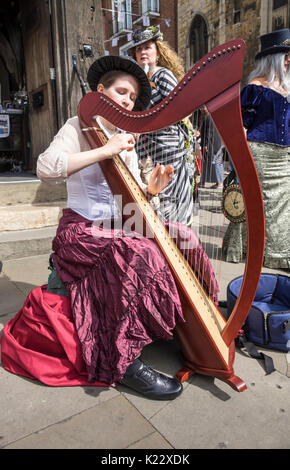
x=206, y=338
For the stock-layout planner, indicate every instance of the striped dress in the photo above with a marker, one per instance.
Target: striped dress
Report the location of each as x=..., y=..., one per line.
x=167, y=147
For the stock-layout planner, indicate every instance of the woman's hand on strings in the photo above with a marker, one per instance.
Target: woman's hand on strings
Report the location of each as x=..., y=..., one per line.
x=118, y=143
x=159, y=178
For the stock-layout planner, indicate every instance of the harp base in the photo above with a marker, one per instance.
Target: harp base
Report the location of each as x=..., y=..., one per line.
x=233, y=380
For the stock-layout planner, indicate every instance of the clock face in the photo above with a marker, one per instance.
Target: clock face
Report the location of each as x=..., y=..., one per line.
x=233, y=204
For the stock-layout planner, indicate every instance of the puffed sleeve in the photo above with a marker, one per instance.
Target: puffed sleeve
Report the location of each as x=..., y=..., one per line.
x=251, y=96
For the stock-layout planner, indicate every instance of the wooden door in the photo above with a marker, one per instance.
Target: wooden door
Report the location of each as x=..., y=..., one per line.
x=39, y=68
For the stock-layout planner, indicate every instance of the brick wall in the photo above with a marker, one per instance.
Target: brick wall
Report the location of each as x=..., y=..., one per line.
x=168, y=10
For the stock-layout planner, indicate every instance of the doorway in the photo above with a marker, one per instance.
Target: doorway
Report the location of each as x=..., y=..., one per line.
x=14, y=128
x=27, y=83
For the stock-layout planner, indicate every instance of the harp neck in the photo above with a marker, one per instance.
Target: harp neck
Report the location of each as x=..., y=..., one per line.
x=217, y=72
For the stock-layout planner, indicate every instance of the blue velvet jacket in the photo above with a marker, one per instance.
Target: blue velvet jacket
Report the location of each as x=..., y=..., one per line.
x=266, y=115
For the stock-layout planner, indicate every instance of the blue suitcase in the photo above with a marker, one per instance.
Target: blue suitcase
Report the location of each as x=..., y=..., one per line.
x=268, y=321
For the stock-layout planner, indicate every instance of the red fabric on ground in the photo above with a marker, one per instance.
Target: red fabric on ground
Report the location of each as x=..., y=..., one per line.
x=41, y=342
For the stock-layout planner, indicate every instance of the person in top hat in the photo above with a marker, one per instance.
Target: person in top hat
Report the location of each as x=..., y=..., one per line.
x=165, y=70
x=120, y=288
x=274, y=42
x=266, y=116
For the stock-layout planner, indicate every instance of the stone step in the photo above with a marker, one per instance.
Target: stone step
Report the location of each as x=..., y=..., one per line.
x=30, y=216
x=33, y=191
x=22, y=243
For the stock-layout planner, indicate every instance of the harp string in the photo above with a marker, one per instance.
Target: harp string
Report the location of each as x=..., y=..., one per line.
x=209, y=221
x=215, y=194
x=202, y=223
x=159, y=150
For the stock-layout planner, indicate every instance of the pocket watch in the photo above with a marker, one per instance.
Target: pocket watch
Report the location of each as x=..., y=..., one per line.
x=233, y=203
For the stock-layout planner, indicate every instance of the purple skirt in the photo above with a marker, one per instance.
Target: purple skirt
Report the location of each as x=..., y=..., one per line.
x=123, y=295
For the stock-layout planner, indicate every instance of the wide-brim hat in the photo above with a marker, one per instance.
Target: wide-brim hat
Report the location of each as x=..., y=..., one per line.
x=276, y=41
x=128, y=65
x=152, y=33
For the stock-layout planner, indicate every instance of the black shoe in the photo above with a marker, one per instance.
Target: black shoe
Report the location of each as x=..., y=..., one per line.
x=150, y=383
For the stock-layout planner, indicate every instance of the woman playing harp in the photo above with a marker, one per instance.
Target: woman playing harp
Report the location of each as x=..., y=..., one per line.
x=120, y=287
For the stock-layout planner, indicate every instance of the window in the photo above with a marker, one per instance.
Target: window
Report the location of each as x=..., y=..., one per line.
x=198, y=39
x=279, y=16
x=237, y=11
x=279, y=3
x=123, y=50
x=150, y=5
x=278, y=22
x=121, y=14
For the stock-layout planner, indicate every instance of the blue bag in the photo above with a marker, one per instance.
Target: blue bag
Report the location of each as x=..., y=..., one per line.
x=268, y=321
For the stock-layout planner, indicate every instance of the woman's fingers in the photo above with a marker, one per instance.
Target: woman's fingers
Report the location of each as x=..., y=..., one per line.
x=120, y=142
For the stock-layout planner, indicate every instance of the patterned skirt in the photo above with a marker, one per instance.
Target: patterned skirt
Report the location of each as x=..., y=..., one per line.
x=273, y=167
x=122, y=293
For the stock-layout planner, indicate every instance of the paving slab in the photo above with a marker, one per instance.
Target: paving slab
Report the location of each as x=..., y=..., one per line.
x=213, y=416
x=27, y=273
x=11, y=297
x=28, y=407
x=153, y=441
x=114, y=425
x=5, y=318
x=208, y=414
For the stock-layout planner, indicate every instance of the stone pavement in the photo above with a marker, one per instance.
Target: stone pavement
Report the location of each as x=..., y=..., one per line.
x=208, y=414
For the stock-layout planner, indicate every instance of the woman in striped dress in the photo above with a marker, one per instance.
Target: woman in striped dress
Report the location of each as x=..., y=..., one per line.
x=167, y=146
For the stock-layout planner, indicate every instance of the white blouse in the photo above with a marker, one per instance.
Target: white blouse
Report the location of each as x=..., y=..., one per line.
x=88, y=191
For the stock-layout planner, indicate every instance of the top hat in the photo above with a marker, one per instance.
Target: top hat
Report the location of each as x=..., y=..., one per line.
x=276, y=41
x=151, y=33
x=128, y=65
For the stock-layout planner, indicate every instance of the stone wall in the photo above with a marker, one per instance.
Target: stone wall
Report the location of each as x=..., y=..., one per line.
x=224, y=23
x=74, y=24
